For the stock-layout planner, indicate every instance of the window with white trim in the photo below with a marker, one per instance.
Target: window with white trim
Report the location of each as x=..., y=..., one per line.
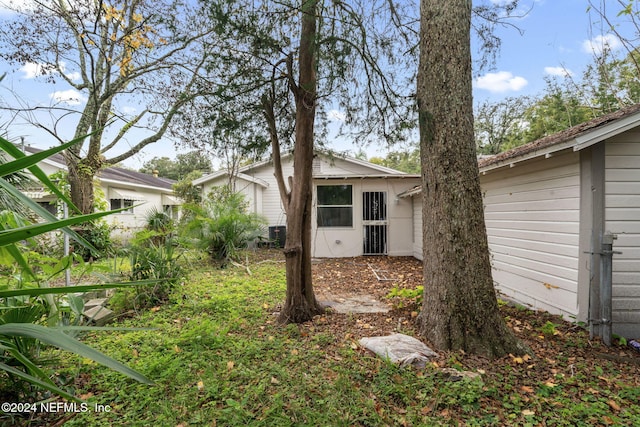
x=335, y=205
x=122, y=203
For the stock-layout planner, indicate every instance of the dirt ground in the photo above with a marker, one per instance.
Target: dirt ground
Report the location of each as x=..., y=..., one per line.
x=377, y=276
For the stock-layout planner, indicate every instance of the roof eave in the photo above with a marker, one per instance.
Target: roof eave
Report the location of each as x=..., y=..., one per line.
x=381, y=176
x=607, y=131
x=133, y=184
x=576, y=143
x=546, y=152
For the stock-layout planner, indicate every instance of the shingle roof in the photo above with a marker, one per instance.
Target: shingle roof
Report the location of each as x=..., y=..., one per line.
x=133, y=177
x=560, y=137
x=118, y=174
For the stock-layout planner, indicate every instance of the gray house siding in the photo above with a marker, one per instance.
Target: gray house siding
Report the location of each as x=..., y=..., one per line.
x=532, y=214
x=622, y=218
x=547, y=206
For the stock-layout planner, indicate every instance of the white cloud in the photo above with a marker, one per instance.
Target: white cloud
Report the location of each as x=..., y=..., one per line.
x=337, y=116
x=599, y=43
x=72, y=76
x=71, y=97
x=32, y=70
x=502, y=81
x=558, y=71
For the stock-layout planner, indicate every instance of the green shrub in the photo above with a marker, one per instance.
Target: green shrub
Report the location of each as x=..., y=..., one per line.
x=98, y=233
x=405, y=295
x=154, y=254
x=221, y=226
x=155, y=261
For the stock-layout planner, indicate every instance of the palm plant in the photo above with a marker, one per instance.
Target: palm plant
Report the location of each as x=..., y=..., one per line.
x=20, y=328
x=222, y=226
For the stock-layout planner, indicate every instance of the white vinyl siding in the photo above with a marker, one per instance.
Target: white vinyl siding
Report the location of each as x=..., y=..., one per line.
x=532, y=214
x=272, y=208
x=622, y=218
x=417, y=226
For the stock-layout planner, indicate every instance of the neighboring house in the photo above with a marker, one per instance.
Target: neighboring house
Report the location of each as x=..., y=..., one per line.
x=356, y=210
x=548, y=205
x=122, y=188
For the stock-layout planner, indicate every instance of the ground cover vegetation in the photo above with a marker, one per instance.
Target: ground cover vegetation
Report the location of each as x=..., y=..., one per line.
x=219, y=357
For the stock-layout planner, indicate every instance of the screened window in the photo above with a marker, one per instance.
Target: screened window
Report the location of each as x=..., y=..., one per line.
x=335, y=205
x=122, y=203
x=50, y=207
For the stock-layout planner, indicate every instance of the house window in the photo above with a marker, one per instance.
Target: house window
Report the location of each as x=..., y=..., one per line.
x=50, y=207
x=171, y=211
x=122, y=203
x=335, y=205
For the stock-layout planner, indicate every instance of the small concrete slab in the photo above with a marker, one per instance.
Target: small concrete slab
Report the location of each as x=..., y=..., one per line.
x=354, y=304
x=99, y=315
x=95, y=302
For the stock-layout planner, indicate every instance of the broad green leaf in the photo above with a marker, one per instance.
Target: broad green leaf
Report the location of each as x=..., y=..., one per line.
x=25, y=162
x=65, y=342
x=12, y=220
x=42, y=212
x=8, y=237
x=16, y=254
x=76, y=303
x=32, y=292
x=26, y=362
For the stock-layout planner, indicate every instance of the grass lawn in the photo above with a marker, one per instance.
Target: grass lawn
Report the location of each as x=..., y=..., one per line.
x=218, y=358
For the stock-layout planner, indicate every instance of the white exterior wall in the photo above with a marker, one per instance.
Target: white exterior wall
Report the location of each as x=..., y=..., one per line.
x=272, y=208
x=48, y=168
x=126, y=224
x=416, y=202
x=336, y=242
x=400, y=240
x=251, y=191
x=336, y=166
x=622, y=217
x=532, y=213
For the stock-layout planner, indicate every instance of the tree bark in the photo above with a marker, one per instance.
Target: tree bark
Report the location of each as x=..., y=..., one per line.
x=81, y=173
x=460, y=309
x=301, y=304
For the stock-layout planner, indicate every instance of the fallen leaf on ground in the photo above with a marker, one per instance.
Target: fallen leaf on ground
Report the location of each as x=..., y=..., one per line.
x=613, y=405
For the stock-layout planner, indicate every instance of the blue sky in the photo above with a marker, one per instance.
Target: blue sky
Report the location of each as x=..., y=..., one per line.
x=558, y=36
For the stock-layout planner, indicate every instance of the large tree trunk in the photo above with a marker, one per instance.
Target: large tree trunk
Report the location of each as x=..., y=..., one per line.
x=81, y=173
x=301, y=304
x=460, y=309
